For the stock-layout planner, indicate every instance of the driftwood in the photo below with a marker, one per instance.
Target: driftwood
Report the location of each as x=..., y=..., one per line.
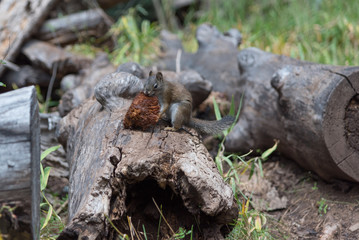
x=311, y=108
x=73, y=27
x=20, y=153
x=19, y=19
x=122, y=173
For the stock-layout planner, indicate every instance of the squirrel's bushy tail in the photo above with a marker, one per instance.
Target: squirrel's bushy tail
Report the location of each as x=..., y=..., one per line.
x=211, y=127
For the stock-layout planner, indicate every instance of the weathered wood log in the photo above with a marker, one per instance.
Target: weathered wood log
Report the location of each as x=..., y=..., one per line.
x=117, y=172
x=49, y=57
x=73, y=27
x=311, y=108
x=19, y=19
x=20, y=152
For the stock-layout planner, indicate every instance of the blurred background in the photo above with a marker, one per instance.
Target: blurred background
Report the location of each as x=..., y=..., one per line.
x=312, y=30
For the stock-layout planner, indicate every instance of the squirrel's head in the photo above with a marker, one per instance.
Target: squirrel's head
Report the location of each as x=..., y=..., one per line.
x=153, y=84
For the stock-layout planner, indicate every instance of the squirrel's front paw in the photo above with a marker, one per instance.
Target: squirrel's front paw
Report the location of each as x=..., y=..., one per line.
x=172, y=129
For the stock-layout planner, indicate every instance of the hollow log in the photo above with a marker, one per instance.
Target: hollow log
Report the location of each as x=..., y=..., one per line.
x=122, y=174
x=19, y=19
x=20, y=156
x=313, y=109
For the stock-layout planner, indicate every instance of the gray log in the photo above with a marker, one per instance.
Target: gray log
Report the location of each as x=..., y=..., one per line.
x=116, y=172
x=311, y=108
x=68, y=29
x=20, y=151
x=18, y=21
x=48, y=57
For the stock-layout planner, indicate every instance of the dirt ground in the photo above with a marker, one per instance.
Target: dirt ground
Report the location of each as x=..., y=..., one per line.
x=315, y=209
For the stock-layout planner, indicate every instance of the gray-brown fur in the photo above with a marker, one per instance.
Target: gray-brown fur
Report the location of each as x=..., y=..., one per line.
x=176, y=104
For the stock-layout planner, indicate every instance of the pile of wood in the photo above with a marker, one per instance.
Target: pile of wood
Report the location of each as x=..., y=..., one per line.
x=124, y=175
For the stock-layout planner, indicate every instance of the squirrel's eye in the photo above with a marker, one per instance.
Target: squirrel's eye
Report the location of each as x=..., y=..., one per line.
x=155, y=85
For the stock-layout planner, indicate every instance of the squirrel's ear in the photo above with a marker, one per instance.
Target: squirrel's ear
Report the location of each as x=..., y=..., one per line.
x=159, y=76
x=151, y=73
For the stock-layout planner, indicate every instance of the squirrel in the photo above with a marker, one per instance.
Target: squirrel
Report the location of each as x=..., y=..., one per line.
x=176, y=103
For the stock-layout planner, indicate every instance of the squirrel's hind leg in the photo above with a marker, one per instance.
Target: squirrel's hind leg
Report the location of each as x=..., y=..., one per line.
x=180, y=114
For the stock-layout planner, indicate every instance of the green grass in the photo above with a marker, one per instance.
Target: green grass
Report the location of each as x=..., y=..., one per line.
x=313, y=30
x=136, y=40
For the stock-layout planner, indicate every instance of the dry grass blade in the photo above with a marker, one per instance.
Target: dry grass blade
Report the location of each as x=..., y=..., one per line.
x=173, y=232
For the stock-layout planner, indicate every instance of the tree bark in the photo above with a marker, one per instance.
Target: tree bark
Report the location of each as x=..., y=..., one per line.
x=311, y=108
x=122, y=173
x=20, y=152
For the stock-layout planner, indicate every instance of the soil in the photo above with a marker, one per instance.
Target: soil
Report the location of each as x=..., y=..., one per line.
x=315, y=209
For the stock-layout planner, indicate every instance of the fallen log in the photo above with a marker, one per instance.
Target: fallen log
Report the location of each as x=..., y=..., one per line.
x=73, y=27
x=19, y=19
x=311, y=108
x=20, y=159
x=122, y=174
x=53, y=59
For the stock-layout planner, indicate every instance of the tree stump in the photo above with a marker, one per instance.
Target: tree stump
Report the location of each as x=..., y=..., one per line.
x=120, y=173
x=311, y=108
x=20, y=161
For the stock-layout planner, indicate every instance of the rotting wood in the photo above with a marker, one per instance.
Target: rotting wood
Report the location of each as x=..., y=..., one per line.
x=19, y=19
x=116, y=172
x=311, y=108
x=20, y=152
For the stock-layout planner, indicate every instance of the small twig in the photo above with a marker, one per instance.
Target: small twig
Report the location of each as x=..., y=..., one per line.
x=178, y=61
x=51, y=85
x=132, y=228
x=114, y=227
x=173, y=232
x=11, y=65
x=62, y=206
